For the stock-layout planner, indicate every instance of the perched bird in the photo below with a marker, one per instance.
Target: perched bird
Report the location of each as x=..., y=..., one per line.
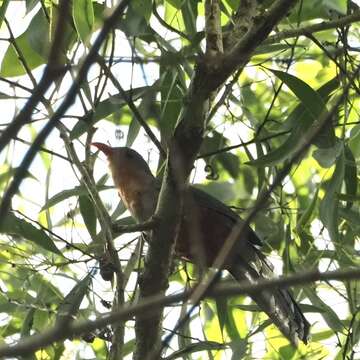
x=139, y=191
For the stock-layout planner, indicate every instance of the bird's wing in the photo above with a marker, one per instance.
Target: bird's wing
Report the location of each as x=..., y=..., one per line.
x=249, y=264
x=205, y=200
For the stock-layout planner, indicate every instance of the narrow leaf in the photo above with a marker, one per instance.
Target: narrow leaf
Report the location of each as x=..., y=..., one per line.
x=142, y=7
x=72, y=301
x=189, y=13
x=3, y=10
x=171, y=102
x=12, y=225
x=311, y=100
x=299, y=120
x=11, y=65
x=65, y=194
x=351, y=181
x=88, y=213
x=307, y=214
x=329, y=204
x=196, y=347
x=104, y=109
x=133, y=132
x=83, y=15
x=329, y=314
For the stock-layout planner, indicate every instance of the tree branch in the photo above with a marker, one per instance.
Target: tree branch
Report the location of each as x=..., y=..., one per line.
x=184, y=146
x=38, y=92
x=145, y=226
x=237, y=231
x=325, y=25
x=132, y=106
x=106, y=229
x=51, y=72
x=35, y=342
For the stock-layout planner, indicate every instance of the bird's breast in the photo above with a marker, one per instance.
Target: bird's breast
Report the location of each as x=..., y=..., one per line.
x=140, y=202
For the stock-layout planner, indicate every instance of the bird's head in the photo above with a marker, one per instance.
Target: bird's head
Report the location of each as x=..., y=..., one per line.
x=125, y=163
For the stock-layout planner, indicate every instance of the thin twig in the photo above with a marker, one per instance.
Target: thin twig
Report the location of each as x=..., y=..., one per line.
x=54, y=334
x=51, y=72
x=325, y=25
x=132, y=106
x=124, y=229
x=69, y=99
x=202, y=289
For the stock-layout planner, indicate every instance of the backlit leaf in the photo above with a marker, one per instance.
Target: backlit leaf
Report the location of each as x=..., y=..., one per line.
x=13, y=225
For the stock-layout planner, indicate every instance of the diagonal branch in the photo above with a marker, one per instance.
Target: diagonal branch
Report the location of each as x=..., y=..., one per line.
x=109, y=23
x=325, y=25
x=237, y=231
x=209, y=74
x=51, y=72
x=35, y=342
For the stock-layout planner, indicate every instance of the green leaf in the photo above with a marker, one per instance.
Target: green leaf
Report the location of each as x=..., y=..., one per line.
x=354, y=143
x=329, y=204
x=88, y=213
x=175, y=3
x=280, y=154
x=37, y=34
x=26, y=328
x=171, y=101
x=33, y=45
x=314, y=102
x=287, y=352
x=11, y=65
x=5, y=176
x=128, y=347
x=221, y=309
x=351, y=181
x=226, y=319
x=196, y=347
x=322, y=335
x=189, y=13
x=132, y=262
x=324, y=9
x=65, y=194
x=266, y=49
x=352, y=216
x=119, y=210
x=30, y=4
x=247, y=307
x=133, y=132
x=230, y=163
x=300, y=119
x=135, y=25
x=105, y=108
x=83, y=15
x=327, y=157
x=306, y=308
x=307, y=214
x=234, y=4
x=311, y=100
x=12, y=225
x=128, y=220
x=3, y=9
x=239, y=349
x=300, y=113
x=328, y=314
x=142, y=7
x=72, y=301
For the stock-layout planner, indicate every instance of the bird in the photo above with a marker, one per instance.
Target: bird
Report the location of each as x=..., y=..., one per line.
x=139, y=189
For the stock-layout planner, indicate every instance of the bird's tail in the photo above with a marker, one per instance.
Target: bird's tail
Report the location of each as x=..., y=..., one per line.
x=277, y=303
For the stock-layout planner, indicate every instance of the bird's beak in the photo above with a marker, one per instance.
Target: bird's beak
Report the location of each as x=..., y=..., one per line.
x=106, y=149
